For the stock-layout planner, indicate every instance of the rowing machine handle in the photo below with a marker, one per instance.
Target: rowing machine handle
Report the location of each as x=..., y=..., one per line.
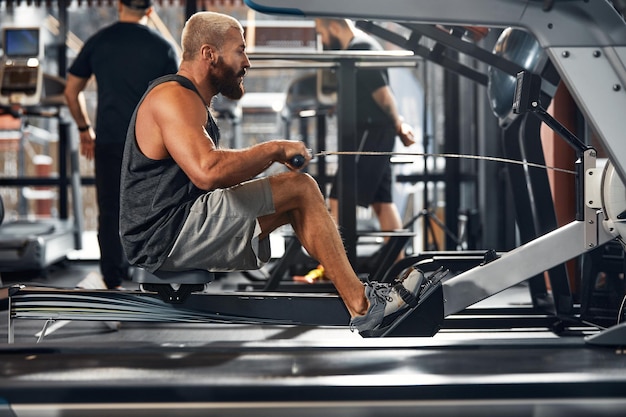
x=297, y=161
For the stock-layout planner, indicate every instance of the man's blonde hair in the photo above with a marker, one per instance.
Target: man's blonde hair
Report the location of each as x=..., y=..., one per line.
x=206, y=28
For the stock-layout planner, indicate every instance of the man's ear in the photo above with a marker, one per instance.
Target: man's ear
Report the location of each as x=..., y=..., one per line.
x=209, y=53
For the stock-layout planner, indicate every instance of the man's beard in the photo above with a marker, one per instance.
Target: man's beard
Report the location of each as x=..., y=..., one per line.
x=226, y=81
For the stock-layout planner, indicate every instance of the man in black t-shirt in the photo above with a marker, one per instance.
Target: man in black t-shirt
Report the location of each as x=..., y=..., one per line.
x=378, y=124
x=124, y=58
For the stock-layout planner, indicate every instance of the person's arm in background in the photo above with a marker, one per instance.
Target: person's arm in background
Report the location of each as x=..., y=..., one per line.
x=385, y=99
x=75, y=100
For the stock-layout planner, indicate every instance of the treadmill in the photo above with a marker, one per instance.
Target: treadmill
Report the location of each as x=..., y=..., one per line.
x=26, y=244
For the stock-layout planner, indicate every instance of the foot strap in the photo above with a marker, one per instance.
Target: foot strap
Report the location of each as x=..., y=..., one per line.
x=406, y=295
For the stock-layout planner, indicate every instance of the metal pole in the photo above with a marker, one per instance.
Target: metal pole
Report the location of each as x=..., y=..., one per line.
x=347, y=181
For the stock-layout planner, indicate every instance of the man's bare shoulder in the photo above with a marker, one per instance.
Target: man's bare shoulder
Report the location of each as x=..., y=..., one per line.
x=173, y=99
x=171, y=90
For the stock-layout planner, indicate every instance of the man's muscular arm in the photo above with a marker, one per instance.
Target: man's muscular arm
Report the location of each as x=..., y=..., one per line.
x=386, y=101
x=171, y=124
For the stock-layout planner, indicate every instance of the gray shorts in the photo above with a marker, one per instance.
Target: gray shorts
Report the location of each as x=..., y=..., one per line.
x=222, y=232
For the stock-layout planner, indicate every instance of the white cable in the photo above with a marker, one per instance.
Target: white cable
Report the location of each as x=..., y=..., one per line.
x=621, y=310
x=448, y=155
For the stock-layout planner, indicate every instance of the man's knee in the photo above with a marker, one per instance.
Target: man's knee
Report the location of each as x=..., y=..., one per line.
x=307, y=180
x=309, y=186
x=297, y=185
x=296, y=180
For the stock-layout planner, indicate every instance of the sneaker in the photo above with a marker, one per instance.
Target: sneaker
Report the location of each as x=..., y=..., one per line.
x=388, y=302
x=93, y=281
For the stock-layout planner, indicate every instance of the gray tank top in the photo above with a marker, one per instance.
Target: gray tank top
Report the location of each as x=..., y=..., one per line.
x=155, y=195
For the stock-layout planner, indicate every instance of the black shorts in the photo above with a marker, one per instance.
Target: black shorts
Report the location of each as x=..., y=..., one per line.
x=374, y=176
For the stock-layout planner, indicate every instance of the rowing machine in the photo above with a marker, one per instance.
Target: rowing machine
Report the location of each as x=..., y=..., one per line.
x=172, y=301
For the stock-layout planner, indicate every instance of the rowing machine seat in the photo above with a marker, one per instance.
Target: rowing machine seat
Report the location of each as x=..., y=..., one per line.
x=194, y=276
x=172, y=286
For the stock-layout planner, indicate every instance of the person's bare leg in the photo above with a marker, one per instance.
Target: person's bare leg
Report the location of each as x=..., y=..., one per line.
x=299, y=202
x=388, y=216
x=389, y=220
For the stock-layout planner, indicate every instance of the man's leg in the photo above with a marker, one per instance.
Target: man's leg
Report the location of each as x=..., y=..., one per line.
x=389, y=220
x=113, y=262
x=334, y=209
x=386, y=213
x=373, y=306
x=382, y=200
x=299, y=202
x=388, y=216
